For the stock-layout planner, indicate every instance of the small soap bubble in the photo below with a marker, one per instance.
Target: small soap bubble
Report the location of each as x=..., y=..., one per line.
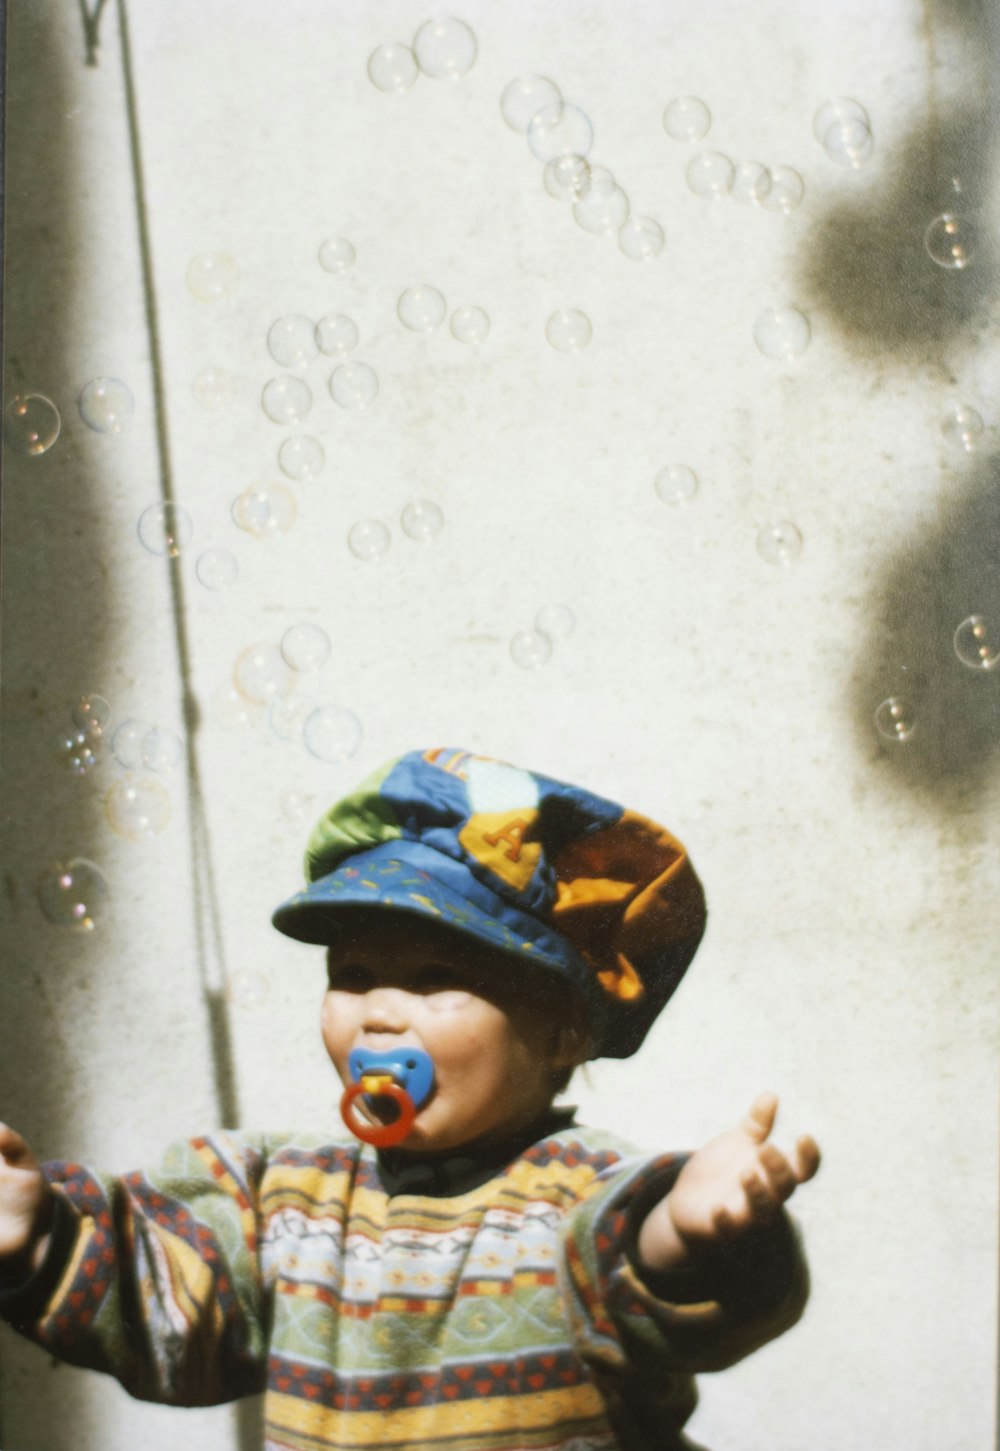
x=849, y=143
x=137, y=807
x=73, y=894
x=213, y=387
x=91, y=713
x=291, y=341
x=470, y=324
x=445, y=48
x=676, y=484
x=392, y=67
x=977, y=643
x=751, y=183
x=838, y=109
x=301, y=458
x=687, y=119
x=165, y=529
x=421, y=309
x=354, y=386
x=422, y=520
x=605, y=207
x=233, y=711
x=212, y=275
x=286, y=400
x=162, y=749
x=962, y=427
x=332, y=733
x=217, y=569
x=555, y=621
x=265, y=509
x=127, y=741
x=950, y=241
x=567, y=178
x=568, y=330
x=641, y=238
x=368, y=540
x=31, y=423
x=530, y=649
x=78, y=753
x=305, y=647
x=261, y=672
x=779, y=542
x=287, y=718
x=337, y=254
x=296, y=805
x=781, y=333
x=560, y=130
x=247, y=988
x=523, y=98
x=710, y=175
x=106, y=405
x=784, y=190
x=895, y=719
x=336, y=335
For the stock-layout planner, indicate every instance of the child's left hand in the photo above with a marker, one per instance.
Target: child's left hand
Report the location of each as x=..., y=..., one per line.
x=735, y=1183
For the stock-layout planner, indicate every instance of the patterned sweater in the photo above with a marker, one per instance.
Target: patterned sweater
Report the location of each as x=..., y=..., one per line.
x=507, y=1315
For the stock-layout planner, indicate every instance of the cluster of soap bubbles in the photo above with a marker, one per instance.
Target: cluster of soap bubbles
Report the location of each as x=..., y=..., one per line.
x=369, y=539
x=422, y=309
x=843, y=129
x=531, y=649
x=80, y=748
x=443, y=49
x=976, y=644
x=712, y=175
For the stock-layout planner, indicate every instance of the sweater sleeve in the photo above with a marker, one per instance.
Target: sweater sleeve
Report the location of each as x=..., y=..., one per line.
x=153, y=1277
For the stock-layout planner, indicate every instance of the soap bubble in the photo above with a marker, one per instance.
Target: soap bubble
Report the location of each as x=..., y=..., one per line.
x=392, y=67
x=291, y=341
x=137, y=807
x=305, y=647
x=332, y=733
x=301, y=458
x=368, y=540
x=106, y=405
x=523, y=98
x=247, y=988
x=337, y=254
x=287, y=718
x=555, y=621
x=213, y=387
x=641, y=238
x=217, y=569
x=126, y=743
x=781, y=333
x=296, y=805
x=470, y=324
x=839, y=109
x=336, y=335
x=530, y=649
x=265, y=509
x=951, y=241
x=977, y=643
x=784, y=190
x=286, y=399
x=421, y=309
x=31, y=423
x=91, y=713
x=567, y=178
x=751, y=182
x=710, y=175
x=779, y=542
x=962, y=427
x=162, y=749
x=687, y=119
x=233, y=711
x=261, y=672
x=895, y=719
x=676, y=484
x=568, y=330
x=605, y=206
x=165, y=529
x=445, y=48
x=422, y=520
x=354, y=386
x=73, y=894
x=212, y=275
x=560, y=130
x=77, y=752
x=843, y=129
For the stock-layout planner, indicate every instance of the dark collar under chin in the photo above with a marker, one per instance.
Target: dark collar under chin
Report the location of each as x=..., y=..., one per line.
x=456, y=1171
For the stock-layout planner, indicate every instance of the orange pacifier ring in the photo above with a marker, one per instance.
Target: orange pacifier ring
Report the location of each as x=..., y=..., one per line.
x=378, y=1085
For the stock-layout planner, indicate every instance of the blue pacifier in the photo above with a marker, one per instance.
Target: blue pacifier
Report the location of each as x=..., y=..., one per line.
x=403, y=1075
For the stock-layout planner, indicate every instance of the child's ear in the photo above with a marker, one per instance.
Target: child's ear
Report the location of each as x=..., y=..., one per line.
x=570, y=1045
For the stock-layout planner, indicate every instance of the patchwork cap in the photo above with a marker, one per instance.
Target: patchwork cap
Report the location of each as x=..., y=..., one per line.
x=545, y=871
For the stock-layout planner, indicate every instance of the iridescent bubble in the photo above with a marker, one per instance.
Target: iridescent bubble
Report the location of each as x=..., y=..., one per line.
x=137, y=807
x=849, y=143
x=212, y=275
x=286, y=400
x=287, y=718
x=392, y=67
x=567, y=178
x=213, y=387
x=336, y=335
x=126, y=743
x=291, y=341
x=354, y=386
x=568, y=330
x=470, y=325
x=523, y=98
x=422, y=520
x=605, y=207
x=305, y=647
x=217, y=569
x=560, y=130
x=261, y=672
x=337, y=254
x=641, y=238
x=332, y=733
x=962, y=427
x=233, y=711
x=951, y=241
x=895, y=719
x=31, y=423
x=676, y=484
x=779, y=542
x=977, y=643
x=445, y=48
x=73, y=894
x=106, y=405
x=301, y=458
x=710, y=175
x=91, y=713
x=784, y=191
x=839, y=109
x=78, y=752
x=530, y=649
x=265, y=509
x=782, y=333
x=751, y=183
x=421, y=309
x=368, y=540
x=165, y=529
x=687, y=119
x=556, y=621
x=162, y=749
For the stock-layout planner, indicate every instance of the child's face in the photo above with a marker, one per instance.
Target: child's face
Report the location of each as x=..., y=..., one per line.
x=396, y=981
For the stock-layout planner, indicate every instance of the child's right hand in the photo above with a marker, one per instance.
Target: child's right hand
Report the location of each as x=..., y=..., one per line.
x=24, y=1197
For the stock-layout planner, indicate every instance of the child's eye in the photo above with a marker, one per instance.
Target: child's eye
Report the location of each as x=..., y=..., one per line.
x=437, y=977
x=350, y=977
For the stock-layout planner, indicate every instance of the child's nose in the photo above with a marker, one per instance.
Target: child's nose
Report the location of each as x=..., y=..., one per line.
x=386, y=1010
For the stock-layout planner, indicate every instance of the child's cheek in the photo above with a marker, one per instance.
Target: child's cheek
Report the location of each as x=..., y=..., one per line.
x=454, y=1000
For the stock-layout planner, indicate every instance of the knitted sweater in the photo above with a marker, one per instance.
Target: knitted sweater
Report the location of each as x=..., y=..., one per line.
x=509, y=1315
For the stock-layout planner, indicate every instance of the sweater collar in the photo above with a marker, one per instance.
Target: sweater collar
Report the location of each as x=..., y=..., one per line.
x=456, y=1171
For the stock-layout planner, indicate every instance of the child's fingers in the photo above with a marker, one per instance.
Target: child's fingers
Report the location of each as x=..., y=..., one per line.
x=807, y=1158
x=760, y=1120
x=13, y=1149
x=761, y=1199
x=780, y=1174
